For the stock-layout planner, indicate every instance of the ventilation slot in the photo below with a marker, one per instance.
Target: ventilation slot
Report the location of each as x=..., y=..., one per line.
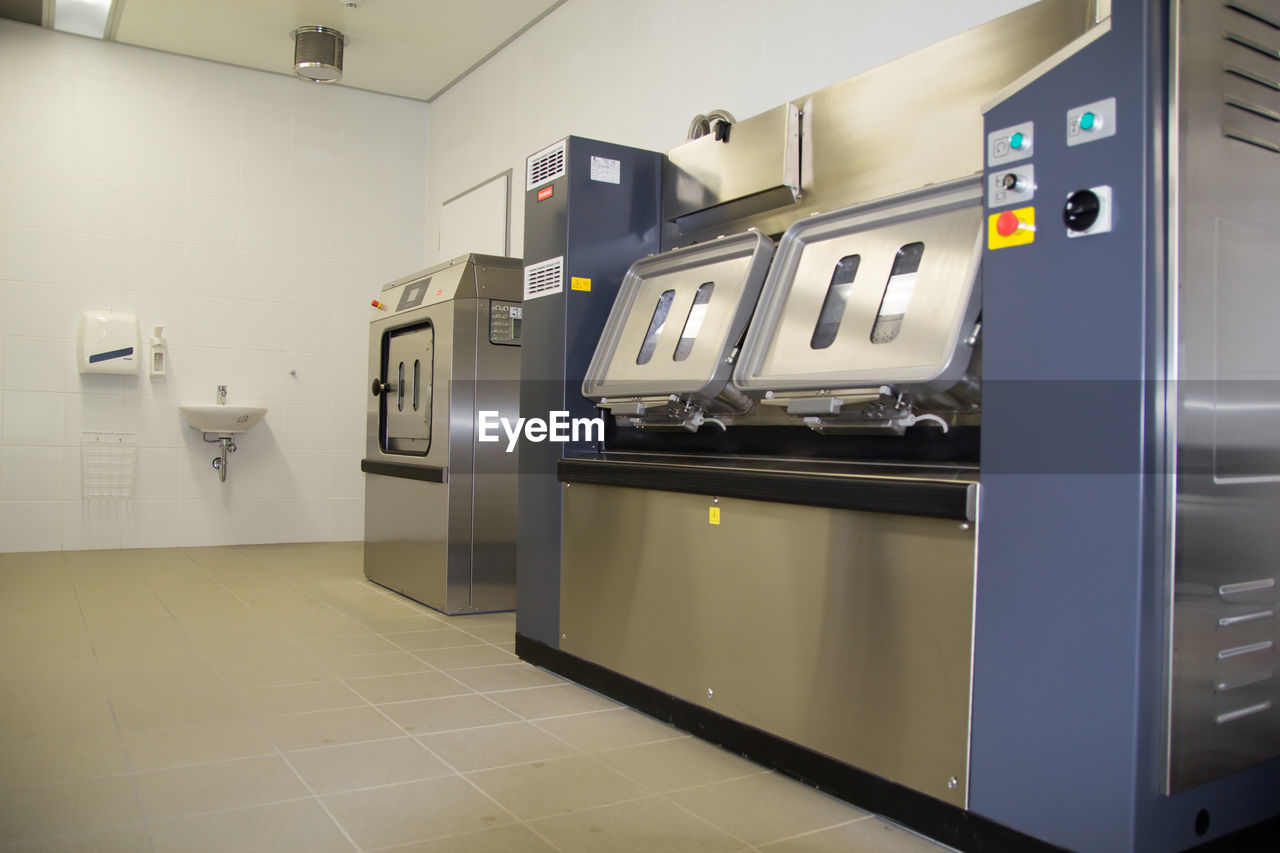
x=1252, y=115
x=1250, y=11
x=545, y=166
x=544, y=279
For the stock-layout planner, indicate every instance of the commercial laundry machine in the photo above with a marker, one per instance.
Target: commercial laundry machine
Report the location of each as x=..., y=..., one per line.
x=939, y=467
x=440, y=503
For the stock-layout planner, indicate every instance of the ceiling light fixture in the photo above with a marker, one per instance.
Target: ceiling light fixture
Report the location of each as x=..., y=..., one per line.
x=82, y=17
x=317, y=54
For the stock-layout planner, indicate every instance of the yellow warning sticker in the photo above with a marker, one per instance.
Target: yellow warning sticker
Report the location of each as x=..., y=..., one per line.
x=580, y=283
x=714, y=515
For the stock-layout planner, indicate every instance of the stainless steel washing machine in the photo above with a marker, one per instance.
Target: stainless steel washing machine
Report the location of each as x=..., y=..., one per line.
x=440, y=505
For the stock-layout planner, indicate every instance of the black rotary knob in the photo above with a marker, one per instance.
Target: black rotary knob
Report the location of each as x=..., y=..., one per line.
x=1081, y=210
x=380, y=387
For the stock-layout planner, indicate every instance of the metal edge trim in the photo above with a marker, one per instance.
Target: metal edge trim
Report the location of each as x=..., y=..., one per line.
x=930, y=499
x=491, y=54
x=1048, y=64
x=974, y=510
x=1173, y=241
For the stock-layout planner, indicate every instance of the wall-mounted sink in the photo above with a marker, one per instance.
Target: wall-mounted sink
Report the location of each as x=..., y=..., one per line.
x=223, y=421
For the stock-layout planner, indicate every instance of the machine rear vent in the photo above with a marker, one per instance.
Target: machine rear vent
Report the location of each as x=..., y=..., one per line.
x=545, y=166
x=1250, y=35
x=544, y=278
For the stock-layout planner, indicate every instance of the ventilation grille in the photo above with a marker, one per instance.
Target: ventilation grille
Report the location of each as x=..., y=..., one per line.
x=1252, y=55
x=544, y=278
x=545, y=166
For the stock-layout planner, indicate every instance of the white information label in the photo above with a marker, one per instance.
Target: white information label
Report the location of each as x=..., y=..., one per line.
x=606, y=170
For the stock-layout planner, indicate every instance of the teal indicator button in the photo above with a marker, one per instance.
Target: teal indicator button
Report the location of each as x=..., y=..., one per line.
x=1016, y=141
x=1088, y=121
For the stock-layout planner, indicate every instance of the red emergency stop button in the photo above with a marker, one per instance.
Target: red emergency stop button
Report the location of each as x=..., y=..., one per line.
x=1007, y=224
x=1011, y=228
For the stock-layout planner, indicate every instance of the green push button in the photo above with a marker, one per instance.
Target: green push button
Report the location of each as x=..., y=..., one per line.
x=1016, y=141
x=1087, y=121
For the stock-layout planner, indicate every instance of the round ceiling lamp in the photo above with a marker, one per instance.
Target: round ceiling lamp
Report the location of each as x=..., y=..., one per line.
x=317, y=54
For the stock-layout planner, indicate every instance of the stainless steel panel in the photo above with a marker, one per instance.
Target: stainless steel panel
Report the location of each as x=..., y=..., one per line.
x=909, y=123
x=927, y=350
x=846, y=632
x=756, y=168
x=1224, y=702
x=698, y=369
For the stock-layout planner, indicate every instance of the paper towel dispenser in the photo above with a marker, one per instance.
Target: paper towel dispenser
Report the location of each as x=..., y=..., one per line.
x=108, y=342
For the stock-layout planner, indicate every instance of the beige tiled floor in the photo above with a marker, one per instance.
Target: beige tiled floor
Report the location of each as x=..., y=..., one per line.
x=269, y=698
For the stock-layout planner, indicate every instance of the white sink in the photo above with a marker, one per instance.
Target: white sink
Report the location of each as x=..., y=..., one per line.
x=223, y=420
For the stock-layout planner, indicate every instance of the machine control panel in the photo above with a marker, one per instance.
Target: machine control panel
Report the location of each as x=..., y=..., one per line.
x=1091, y=122
x=505, y=319
x=1012, y=186
x=1010, y=144
x=412, y=295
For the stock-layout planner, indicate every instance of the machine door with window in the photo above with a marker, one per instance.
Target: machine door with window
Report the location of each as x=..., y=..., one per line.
x=405, y=419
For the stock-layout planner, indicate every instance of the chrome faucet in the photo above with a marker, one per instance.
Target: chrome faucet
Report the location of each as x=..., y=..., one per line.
x=221, y=398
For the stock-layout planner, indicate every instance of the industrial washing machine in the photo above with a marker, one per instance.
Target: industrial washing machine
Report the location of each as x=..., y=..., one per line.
x=440, y=504
x=940, y=456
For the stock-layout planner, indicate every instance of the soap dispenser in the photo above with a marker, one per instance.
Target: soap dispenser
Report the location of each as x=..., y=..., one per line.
x=159, y=352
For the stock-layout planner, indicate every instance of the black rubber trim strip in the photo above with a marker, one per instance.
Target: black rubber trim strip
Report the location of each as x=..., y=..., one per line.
x=941, y=821
x=932, y=499
x=426, y=473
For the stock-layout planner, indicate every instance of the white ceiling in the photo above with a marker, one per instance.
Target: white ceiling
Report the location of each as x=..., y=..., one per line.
x=414, y=48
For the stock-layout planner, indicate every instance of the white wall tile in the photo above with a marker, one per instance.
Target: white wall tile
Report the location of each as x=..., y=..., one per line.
x=195, y=372
x=208, y=271
x=158, y=214
x=30, y=525
x=255, y=521
x=346, y=520
x=31, y=474
x=351, y=379
x=205, y=522
x=98, y=260
x=309, y=329
x=351, y=331
x=348, y=479
x=305, y=425
x=304, y=520
x=213, y=169
x=151, y=524
x=162, y=106
x=31, y=418
x=311, y=377
x=349, y=427
x=35, y=364
x=36, y=145
x=102, y=155
x=261, y=275
x=155, y=266
x=206, y=322
x=91, y=525
x=43, y=200
x=211, y=221
x=96, y=208
x=310, y=281
x=259, y=374
x=104, y=102
x=263, y=227
x=259, y=325
x=265, y=175
x=313, y=231
x=159, y=163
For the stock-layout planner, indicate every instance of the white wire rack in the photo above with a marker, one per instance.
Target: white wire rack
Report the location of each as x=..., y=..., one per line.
x=108, y=465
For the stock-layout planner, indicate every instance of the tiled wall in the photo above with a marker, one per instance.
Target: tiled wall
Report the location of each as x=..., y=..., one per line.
x=636, y=71
x=252, y=215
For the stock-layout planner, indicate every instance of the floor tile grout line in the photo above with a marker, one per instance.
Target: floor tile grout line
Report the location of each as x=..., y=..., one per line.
x=808, y=832
x=276, y=747
x=115, y=720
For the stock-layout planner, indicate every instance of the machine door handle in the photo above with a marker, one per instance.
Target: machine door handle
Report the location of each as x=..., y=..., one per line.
x=380, y=387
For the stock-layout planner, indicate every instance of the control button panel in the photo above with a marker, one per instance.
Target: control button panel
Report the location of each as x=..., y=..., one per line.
x=1088, y=212
x=1091, y=122
x=1015, y=227
x=1010, y=144
x=1011, y=186
x=505, y=319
